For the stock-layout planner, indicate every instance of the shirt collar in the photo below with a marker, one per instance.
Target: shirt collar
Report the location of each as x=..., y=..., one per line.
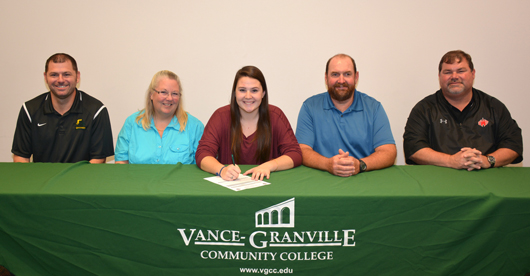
x=458, y=115
x=355, y=106
x=471, y=103
x=173, y=124
x=75, y=108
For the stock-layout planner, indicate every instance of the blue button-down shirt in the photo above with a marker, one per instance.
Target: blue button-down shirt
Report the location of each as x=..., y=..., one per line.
x=140, y=146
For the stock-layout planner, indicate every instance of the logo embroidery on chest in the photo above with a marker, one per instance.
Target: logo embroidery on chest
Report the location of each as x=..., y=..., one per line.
x=483, y=122
x=80, y=124
x=442, y=121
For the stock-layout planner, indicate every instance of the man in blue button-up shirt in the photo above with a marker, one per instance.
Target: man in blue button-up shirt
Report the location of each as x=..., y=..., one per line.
x=344, y=131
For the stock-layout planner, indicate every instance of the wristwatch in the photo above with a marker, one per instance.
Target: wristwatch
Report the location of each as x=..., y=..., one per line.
x=491, y=160
x=362, y=166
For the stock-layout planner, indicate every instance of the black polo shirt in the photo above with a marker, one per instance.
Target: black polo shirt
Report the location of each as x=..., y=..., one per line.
x=485, y=124
x=82, y=133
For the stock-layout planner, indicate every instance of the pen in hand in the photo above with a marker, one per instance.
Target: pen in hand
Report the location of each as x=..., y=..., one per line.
x=235, y=166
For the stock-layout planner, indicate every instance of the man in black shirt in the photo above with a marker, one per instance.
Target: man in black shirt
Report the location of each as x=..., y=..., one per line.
x=64, y=124
x=459, y=126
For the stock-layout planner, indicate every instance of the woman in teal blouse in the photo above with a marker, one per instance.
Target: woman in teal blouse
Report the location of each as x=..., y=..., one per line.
x=162, y=132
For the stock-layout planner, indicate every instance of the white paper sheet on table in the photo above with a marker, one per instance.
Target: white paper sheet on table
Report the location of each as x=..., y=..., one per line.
x=243, y=182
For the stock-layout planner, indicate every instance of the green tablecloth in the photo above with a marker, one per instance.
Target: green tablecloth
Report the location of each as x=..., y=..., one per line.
x=105, y=219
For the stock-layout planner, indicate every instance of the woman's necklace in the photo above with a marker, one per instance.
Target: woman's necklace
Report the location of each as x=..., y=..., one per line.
x=160, y=131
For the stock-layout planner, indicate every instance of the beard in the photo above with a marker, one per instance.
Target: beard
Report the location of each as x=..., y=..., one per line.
x=456, y=89
x=341, y=95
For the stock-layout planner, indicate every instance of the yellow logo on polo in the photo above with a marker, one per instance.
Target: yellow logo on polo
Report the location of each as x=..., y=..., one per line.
x=80, y=124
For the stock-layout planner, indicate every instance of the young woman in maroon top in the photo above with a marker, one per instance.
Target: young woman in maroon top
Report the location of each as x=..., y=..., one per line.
x=248, y=131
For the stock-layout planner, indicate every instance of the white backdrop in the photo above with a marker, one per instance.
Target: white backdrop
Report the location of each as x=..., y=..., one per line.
x=397, y=45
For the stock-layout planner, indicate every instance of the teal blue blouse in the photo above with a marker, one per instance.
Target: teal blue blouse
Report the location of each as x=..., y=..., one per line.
x=139, y=146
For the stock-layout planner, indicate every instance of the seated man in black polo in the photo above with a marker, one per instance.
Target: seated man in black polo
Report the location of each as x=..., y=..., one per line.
x=64, y=124
x=459, y=126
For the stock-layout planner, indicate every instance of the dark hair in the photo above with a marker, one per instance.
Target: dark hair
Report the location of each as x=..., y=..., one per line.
x=60, y=58
x=342, y=56
x=455, y=56
x=263, y=132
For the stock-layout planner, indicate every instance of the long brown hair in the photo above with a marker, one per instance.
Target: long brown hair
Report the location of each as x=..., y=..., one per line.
x=263, y=132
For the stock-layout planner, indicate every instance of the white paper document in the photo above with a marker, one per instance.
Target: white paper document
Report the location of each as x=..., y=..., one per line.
x=243, y=182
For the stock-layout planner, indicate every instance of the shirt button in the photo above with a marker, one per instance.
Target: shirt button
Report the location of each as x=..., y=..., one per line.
x=159, y=146
x=341, y=116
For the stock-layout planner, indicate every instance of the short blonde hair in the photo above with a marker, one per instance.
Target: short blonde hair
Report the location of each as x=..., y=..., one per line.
x=148, y=112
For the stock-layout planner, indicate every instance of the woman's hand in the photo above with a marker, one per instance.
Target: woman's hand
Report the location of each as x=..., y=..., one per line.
x=230, y=172
x=263, y=170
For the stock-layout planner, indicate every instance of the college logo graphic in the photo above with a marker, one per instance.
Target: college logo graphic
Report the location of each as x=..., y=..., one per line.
x=280, y=241
x=279, y=215
x=483, y=122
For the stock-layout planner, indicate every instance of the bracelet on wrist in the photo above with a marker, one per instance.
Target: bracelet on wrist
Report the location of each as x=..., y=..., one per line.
x=219, y=173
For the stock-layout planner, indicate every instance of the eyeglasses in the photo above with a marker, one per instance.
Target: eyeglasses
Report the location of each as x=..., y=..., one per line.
x=165, y=94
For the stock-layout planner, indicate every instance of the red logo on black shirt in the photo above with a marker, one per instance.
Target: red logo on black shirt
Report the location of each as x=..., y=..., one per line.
x=483, y=122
